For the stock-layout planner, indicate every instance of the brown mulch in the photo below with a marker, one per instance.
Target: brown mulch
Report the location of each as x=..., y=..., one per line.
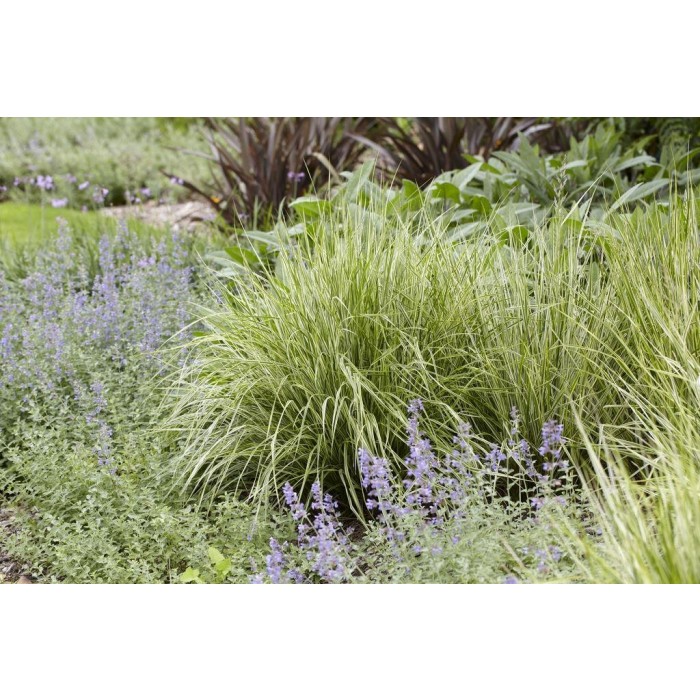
x=186, y=216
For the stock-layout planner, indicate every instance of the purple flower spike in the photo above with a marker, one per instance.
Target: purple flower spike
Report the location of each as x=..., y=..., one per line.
x=275, y=561
x=292, y=500
x=431, y=515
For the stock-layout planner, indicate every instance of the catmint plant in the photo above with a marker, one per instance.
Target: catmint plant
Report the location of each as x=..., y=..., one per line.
x=322, y=552
x=68, y=337
x=424, y=526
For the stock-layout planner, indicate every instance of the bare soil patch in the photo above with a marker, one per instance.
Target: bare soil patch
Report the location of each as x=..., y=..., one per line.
x=10, y=570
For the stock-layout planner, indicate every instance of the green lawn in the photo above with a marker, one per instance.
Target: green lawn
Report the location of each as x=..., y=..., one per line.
x=25, y=226
x=26, y=223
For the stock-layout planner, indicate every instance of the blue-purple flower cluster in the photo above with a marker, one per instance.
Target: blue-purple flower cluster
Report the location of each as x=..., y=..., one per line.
x=68, y=185
x=427, y=512
x=67, y=332
x=322, y=542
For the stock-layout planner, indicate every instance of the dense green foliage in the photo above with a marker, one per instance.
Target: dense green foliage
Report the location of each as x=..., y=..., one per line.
x=160, y=423
x=515, y=191
x=81, y=464
x=291, y=375
x=260, y=164
x=590, y=319
x=126, y=157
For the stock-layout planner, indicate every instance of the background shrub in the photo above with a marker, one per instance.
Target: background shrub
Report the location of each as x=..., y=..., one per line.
x=95, y=162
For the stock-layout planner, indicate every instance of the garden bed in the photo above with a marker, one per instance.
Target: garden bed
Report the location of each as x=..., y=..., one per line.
x=490, y=377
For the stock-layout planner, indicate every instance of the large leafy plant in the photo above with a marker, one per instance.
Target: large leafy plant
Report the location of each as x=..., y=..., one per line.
x=421, y=148
x=512, y=191
x=509, y=194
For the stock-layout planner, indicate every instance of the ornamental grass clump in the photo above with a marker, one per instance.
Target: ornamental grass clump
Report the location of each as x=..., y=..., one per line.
x=646, y=485
x=366, y=312
x=645, y=520
x=291, y=373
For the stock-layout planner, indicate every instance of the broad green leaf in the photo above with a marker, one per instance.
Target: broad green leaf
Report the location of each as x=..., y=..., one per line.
x=223, y=568
x=459, y=214
x=267, y=237
x=190, y=575
x=223, y=260
x=296, y=230
x=690, y=177
x=570, y=166
x=445, y=190
x=410, y=189
x=410, y=198
x=686, y=159
x=643, y=189
x=215, y=555
x=518, y=212
x=311, y=206
x=631, y=162
x=242, y=255
x=465, y=231
x=481, y=204
x=472, y=192
x=515, y=235
x=464, y=177
x=358, y=179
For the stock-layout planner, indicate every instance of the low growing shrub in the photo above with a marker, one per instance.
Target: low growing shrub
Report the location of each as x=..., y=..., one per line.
x=81, y=466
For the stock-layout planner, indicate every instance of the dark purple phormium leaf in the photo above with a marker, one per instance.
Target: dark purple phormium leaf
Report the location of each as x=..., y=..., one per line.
x=421, y=148
x=253, y=157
